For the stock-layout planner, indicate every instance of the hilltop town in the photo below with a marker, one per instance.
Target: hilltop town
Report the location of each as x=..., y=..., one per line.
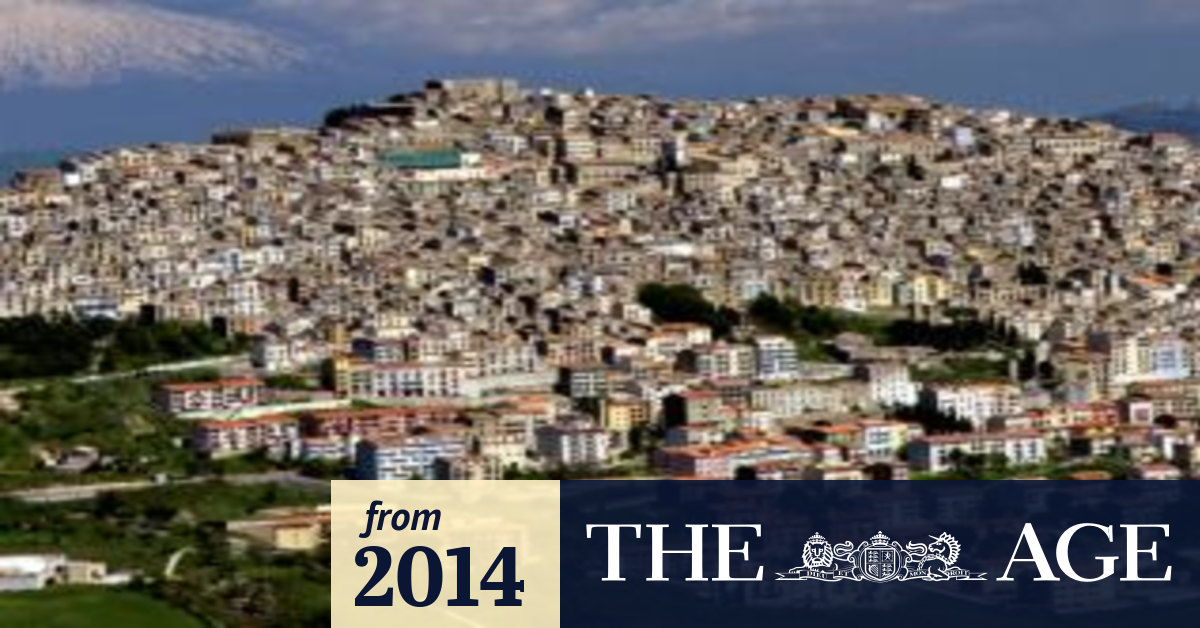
x=479, y=280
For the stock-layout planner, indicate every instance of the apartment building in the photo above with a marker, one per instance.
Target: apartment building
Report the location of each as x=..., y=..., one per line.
x=218, y=396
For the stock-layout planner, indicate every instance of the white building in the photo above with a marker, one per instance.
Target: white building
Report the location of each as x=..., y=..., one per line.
x=407, y=457
x=670, y=339
x=890, y=384
x=30, y=573
x=798, y=398
x=33, y=572
x=1146, y=357
x=975, y=402
x=777, y=359
x=407, y=380
x=722, y=361
x=935, y=453
x=503, y=359
x=882, y=440
x=270, y=354
x=277, y=435
x=222, y=395
x=576, y=443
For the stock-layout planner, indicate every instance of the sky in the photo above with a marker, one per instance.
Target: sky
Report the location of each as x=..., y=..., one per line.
x=84, y=74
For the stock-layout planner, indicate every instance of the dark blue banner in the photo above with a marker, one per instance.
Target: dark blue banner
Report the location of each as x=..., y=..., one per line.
x=919, y=554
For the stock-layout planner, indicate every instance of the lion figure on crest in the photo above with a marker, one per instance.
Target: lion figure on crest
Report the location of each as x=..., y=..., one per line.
x=821, y=554
x=818, y=553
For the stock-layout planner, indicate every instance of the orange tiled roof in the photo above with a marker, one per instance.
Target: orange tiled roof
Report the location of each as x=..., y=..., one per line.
x=223, y=383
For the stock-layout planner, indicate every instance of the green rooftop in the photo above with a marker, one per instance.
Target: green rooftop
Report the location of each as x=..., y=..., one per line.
x=423, y=159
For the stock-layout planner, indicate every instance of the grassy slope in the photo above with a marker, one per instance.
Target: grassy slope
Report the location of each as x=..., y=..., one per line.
x=87, y=607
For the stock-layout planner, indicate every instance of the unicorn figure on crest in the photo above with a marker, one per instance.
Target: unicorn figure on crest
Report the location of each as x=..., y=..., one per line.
x=944, y=549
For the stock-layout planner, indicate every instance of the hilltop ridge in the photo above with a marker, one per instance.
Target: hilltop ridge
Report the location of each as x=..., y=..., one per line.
x=1157, y=117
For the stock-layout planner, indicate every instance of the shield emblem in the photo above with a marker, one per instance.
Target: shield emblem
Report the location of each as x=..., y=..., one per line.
x=880, y=563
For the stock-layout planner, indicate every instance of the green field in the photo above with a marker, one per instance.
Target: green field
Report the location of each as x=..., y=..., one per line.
x=84, y=608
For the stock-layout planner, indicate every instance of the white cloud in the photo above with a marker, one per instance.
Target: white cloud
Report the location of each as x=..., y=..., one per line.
x=78, y=42
x=588, y=25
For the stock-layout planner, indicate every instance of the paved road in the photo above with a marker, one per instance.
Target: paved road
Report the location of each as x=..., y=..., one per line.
x=231, y=364
x=81, y=492
x=235, y=364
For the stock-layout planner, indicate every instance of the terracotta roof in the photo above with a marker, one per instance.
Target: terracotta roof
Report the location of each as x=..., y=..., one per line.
x=223, y=383
x=243, y=423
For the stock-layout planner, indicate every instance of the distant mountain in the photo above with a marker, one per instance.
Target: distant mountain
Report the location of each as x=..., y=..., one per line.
x=13, y=161
x=1155, y=117
x=74, y=43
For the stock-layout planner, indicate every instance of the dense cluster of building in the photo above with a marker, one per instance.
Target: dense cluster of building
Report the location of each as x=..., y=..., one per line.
x=468, y=259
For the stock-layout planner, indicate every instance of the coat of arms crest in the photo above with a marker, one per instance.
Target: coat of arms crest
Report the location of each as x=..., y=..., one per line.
x=880, y=559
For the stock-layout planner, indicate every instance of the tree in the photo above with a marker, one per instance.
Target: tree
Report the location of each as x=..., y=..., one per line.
x=644, y=438
x=769, y=312
x=288, y=381
x=745, y=473
x=106, y=505
x=996, y=464
x=955, y=458
x=1057, y=451
x=879, y=471
x=678, y=303
x=1028, y=368
x=1047, y=371
x=342, y=115
x=315, y=468
x=934, y=421
x=968, y=466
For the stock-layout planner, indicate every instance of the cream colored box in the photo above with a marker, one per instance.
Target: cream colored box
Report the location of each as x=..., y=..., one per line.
x=485, y=516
